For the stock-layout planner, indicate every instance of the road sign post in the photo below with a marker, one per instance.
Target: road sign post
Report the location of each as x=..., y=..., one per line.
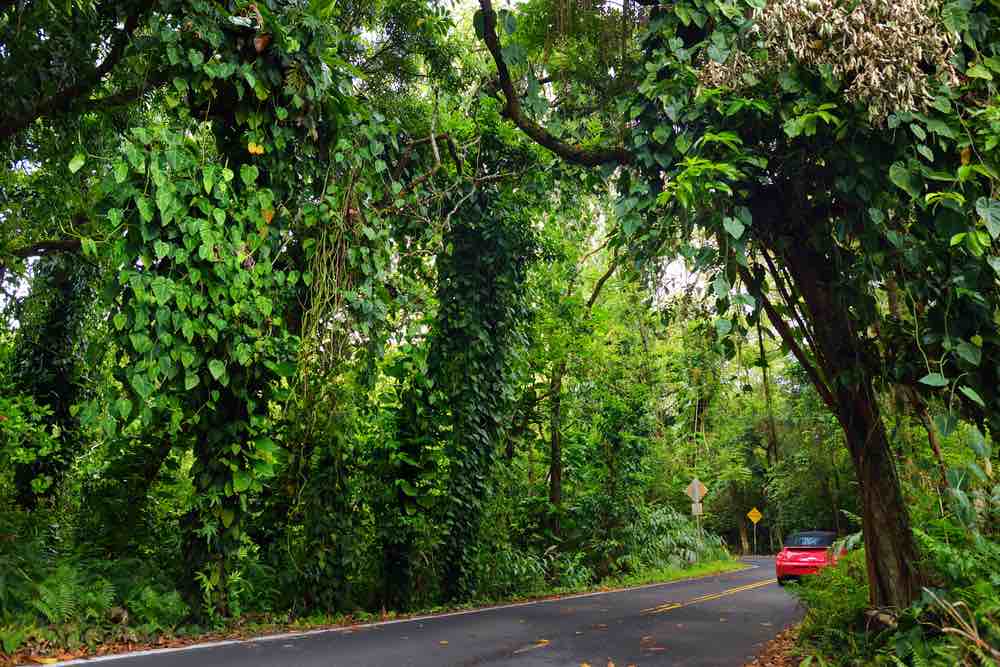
x=696, y=491
x=754, y=515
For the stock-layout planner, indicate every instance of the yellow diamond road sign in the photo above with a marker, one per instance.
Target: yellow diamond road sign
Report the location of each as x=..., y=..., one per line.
x=755, y=515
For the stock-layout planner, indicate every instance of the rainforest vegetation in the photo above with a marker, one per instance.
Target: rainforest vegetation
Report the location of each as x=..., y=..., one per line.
x=313, y=310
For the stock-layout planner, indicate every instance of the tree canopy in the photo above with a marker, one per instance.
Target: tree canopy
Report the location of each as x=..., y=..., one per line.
x=329, y=307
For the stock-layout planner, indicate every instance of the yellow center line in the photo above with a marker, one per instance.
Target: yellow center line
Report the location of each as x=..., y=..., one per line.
x=668, y=606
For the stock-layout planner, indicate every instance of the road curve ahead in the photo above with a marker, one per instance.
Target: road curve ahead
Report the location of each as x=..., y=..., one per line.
x=721, y=620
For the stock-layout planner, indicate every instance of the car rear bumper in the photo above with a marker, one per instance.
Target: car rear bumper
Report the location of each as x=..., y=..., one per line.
x=795, y=570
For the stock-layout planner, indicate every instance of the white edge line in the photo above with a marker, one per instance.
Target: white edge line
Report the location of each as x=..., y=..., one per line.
x=376, y=624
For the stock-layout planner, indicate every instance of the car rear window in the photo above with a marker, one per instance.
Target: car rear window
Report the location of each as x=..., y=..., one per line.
x=810, y=540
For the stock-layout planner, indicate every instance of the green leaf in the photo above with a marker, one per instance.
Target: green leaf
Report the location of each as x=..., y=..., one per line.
x=942, y=104
x=903, y=178
x=946, y=424
x=286, y=369
x=241, y=481
x=734, y=227
x=722, y=287
x=973, y=395
x=408, y=488
x=120, y=321
x=479, y=23
x=162, y=291
x=208, y=178
x=121, y=172
x=979, y=72
x=978, y=443
x=509, y=21
x=216, y=368
x=77, y=162
x=190, y=381
x=161, y=249
x=934, y=380
x=123, y=407
x=141, y=384
x=989, y=211
x=970, y=353
x=248, y=174
x=145, y=208
x=723, y=326
x=228, y=516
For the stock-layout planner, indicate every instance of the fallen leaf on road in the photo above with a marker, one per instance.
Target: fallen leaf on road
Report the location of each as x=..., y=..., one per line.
x=584, y=664
x=610, y=663
x=443, y=642
x=779, y=652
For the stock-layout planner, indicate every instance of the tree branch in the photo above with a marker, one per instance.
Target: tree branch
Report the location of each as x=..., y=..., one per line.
x=64, y=99
x=599, y=285
x=789, y=338
x=791, y=303
x=44, y=248
x=513, y=110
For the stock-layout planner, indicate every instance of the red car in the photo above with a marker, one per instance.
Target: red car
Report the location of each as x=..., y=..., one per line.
x=805, y=553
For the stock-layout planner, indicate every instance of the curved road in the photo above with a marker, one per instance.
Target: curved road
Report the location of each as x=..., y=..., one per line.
x=720, y=620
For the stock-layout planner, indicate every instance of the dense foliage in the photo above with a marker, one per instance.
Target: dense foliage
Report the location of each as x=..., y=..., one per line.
x=313, y=309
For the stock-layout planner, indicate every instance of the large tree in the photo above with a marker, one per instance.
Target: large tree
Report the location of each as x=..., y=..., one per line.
x=787, y=154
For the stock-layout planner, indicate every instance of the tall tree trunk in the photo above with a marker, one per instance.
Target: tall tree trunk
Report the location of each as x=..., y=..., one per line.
x=893, y=578
x=839, y=369
x=891, y=554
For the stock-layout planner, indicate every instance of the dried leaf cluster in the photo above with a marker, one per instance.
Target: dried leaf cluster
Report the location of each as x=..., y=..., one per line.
x=887, y=53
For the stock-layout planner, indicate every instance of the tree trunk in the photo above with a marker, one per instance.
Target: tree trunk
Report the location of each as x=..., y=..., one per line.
x=891, y=554
x=744, y=537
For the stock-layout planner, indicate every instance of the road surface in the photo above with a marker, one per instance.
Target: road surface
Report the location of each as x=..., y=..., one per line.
x=721, y=620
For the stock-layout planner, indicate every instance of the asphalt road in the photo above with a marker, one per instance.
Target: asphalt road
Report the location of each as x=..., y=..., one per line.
x=721, y=620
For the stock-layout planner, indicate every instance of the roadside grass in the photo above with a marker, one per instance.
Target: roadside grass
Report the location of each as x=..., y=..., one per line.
x=262, y=625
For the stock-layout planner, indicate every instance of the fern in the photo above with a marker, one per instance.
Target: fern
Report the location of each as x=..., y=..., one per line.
x=58, y=594
x=12, y=636
x=97, y=599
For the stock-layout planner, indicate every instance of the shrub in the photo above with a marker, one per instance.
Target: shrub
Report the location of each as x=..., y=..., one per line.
x=506, y=571
x=158, y=610
x=836, y=600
